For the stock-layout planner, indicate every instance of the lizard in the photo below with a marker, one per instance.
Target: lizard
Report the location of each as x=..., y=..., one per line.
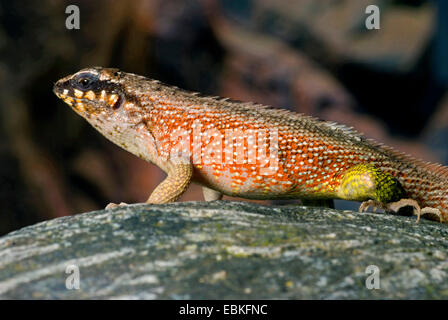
x=249, y=150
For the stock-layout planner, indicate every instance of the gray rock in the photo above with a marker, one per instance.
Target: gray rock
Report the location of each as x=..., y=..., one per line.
x=226, y=250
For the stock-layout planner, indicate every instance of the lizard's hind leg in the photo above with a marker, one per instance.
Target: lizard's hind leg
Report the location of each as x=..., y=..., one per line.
x=376, y=188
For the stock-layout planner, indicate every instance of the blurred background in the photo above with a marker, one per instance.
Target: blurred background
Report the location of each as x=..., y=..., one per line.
x=314, y=57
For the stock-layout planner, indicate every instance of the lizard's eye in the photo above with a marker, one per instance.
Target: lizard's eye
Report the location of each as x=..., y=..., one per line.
x=84, y=82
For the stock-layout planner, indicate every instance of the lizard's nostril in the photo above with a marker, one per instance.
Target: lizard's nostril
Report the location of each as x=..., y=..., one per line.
x=59, y=89
x=57, y=85
x=56, y=88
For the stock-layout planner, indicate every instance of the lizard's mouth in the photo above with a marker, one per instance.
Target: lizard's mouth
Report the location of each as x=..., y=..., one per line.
x=83, y=101
x=76, y=99
x=64, y=94
x=81, y=106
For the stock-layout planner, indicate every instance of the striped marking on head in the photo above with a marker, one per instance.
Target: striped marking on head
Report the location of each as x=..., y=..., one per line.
x=78, y=93
x=103, y=95
x=68, y=100
x=112, y=100
x=80, y=106
x=90, y=95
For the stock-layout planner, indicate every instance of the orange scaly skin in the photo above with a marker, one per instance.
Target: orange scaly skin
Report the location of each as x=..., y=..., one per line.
x=248, y=150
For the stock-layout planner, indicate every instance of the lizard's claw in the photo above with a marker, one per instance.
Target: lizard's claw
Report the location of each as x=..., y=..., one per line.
x=393, y=206
x=114, y=205
x=372, y=203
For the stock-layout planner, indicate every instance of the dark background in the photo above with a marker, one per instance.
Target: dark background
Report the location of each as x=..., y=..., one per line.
x=310, y=56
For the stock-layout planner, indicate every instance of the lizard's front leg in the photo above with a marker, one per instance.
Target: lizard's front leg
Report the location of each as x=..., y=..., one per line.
x=170, y=189
x=174, y=185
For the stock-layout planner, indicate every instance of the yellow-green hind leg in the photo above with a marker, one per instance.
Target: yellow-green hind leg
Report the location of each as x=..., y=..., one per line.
x=376, y=189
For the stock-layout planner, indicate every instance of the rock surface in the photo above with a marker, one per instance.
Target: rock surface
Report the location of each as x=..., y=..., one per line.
x=226, y=250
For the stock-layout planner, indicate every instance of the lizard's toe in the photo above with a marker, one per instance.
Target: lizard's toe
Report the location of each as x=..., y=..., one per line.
x=432, y=214
x=372, y=203
x=396, y=206
x=114, y=205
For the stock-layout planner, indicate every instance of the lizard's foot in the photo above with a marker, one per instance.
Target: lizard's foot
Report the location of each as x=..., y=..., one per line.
x=432, y=214
x=114, y=205
x=392, y=206
x=372, y=203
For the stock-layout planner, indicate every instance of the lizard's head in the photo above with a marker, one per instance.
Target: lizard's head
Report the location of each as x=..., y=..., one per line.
x=105, y=97
x=92, y=90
